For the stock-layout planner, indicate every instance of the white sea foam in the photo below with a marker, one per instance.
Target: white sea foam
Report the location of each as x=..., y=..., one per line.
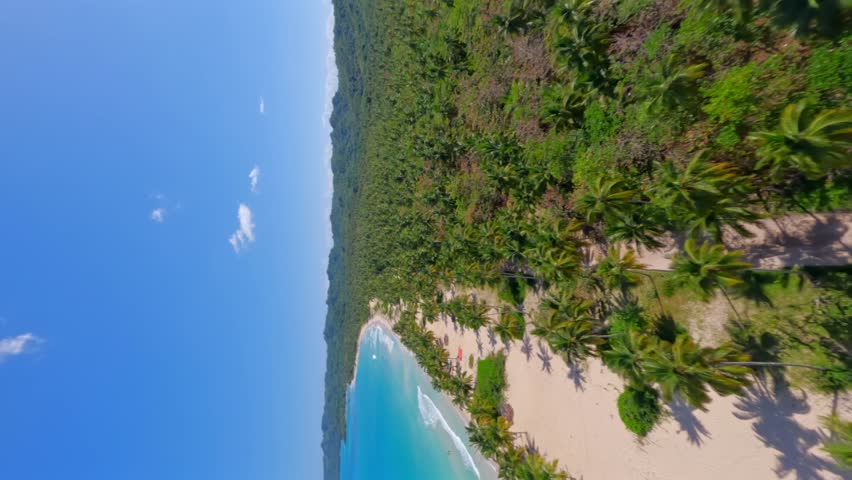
x=377, y=335
x=431, y=416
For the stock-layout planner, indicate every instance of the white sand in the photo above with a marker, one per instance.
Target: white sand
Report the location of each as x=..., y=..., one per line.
x=572, y=416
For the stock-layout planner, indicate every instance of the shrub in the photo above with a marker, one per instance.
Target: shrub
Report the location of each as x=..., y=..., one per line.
x=830, y=69
x=639, y=409
x=490, y=385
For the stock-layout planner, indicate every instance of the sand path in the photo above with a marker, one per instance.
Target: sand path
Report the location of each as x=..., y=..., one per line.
x=806, y=240
x=570, y=414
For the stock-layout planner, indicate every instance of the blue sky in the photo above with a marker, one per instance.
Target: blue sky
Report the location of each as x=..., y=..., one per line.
x=158, y=317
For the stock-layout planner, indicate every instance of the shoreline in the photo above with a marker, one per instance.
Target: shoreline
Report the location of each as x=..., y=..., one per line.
x=380, y=320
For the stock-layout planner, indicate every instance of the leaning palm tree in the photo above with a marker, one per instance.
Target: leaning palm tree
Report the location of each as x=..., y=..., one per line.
x=685, y=369
x=813, y=148
x=840, y=445
x=641, y=226
x=605, y=199
x=705, y=268
x=671, y=83
x=699, y=182
x=536, y=467
x=575, y=340
x=490, y=435
x=617, y=269
x=625, y=356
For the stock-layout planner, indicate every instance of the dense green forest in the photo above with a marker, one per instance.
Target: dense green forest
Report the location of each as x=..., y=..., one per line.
x=488, y=144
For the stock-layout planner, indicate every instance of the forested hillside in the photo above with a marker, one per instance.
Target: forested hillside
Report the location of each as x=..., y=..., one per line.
x=490, y=144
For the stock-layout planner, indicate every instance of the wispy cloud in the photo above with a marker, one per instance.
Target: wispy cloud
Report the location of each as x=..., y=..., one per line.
x=262, y=106
x=254, y=176
x=245, y=234
x=158, y=215
x=12, y=346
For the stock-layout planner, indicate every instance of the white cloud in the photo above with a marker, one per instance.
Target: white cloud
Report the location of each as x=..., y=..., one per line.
x=262, y=106
x=17, y=345
x=245, y=234
x=254, y=176
x=158, y=215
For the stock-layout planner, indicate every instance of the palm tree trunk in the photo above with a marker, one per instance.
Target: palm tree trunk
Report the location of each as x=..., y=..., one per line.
x=773, y=364
x=739, y=319
x=656, y=290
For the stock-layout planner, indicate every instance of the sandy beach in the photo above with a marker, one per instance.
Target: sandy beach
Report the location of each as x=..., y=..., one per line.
x=774, y=243
x=570, y=414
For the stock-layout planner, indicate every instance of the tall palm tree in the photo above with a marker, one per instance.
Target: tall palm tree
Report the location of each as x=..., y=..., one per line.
x=813, y=148
x=705, y=268
x=562, y=105
x=704, y=195
x=490, y=435
x=617, y=270
x=625, y=356
x=536, y=467
x=640, y=226
x=575, y=340
x=684, y=369
x=605, y=199
x=670, y=83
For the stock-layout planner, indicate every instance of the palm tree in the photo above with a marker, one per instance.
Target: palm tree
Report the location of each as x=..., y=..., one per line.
x=575, y=340
x=840, y=445
x=813, y=148
x=705, y=268
x=562, y=105
x=490, y=435
x=605, y=199
x=625, y=356
x=640, y=226
x=704, y=195
x=582, y=47
x=511, y=326
x=685, y=369
x=616, y=269
x=536, y=467
x=670, y=83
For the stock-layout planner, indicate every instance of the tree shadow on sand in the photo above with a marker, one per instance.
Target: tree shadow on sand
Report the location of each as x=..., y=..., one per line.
x=684, y=414
x=527, y=347
x=575, y=374
x=772, y=409
x=545, y=357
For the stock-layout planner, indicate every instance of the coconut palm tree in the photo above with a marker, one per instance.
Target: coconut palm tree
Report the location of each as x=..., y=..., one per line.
x=575, y=340
x=705, y=268
x=671, y=83
x=536, y=467
x=511, y=326
x=562, y=105
x=640, y=226
x=617, y=270
x=812, y=147
x=700, y=183
x=490, y=435
x=625, y=356
x=605, y=199
x=684, y=369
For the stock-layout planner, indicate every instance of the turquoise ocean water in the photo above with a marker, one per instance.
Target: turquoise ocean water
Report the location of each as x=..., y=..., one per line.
x=398, y=426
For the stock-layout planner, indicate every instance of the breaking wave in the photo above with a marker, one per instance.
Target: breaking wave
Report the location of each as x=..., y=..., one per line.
x=431, y=416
